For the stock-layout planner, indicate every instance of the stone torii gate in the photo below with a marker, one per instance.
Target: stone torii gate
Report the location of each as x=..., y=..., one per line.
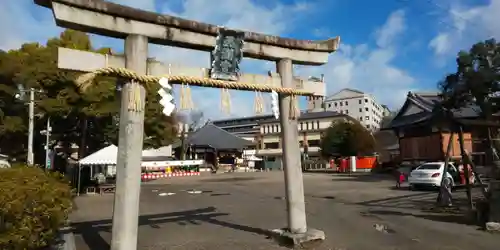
x=138, y=28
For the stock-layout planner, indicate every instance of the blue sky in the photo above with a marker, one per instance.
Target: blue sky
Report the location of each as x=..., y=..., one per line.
x=387, y=48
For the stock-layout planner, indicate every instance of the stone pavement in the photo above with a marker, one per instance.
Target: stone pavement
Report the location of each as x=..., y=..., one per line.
x=233, y=211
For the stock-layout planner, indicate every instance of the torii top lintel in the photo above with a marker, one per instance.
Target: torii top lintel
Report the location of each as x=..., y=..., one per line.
x=114, y=20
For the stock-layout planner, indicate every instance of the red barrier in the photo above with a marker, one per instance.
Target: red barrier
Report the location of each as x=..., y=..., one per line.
x=366, y=162
x=344, y=164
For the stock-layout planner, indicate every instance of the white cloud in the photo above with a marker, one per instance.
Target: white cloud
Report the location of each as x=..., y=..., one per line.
x=370, y=70
x=19, y=24
x=466, y=25
x=394, y=26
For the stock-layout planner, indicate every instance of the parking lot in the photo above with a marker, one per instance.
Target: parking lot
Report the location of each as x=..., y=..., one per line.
x=234, y=211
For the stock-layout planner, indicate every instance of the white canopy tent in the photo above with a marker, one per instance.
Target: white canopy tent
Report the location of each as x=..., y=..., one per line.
x=105, y=160
x=105, y=156
x=108, y=155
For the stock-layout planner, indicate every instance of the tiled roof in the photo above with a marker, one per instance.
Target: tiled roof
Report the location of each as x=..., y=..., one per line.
x=427, y=102
x=215, y=137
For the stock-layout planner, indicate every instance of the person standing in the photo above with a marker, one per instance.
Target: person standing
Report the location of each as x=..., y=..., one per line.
x=401, y=178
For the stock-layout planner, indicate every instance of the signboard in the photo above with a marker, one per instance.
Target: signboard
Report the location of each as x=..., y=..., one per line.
x=50, y=157
x=227, y=54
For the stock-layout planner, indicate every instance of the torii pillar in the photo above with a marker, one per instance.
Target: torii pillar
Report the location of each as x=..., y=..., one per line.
x=139, y=28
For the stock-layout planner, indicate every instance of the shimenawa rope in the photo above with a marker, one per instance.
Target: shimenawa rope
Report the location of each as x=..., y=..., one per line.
x=85, y=80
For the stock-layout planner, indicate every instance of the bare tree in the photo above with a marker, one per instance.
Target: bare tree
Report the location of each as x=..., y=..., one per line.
x=189, y=122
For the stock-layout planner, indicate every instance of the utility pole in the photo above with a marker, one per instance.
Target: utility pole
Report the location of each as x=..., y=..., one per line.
x=31, y=127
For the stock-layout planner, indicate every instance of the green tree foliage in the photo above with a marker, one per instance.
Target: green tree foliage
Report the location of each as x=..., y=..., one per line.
x=88, y=119
x=12, y=113
x=347, y=138
x=35, y=204
x=476, y=81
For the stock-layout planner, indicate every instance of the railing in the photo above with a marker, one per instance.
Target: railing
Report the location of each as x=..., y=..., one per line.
x=308, y=166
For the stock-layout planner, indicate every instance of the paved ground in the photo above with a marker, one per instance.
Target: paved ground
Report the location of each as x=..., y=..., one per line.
x=235, y=210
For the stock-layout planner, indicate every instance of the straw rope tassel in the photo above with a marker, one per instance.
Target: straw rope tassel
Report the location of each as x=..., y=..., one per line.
x=134, y=97
x=294, y=108
x=225, y=101
x=189, y=99
x=181, y=97
x=184, y=99
x=258, y=103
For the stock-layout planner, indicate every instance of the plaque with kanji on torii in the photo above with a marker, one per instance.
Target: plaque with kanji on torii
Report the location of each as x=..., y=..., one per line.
x=227, y=54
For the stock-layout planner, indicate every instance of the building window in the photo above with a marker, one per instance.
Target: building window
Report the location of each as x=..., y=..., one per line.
x=346, y=103
x=366, y=100
x=335, y=104
x=360, y=118
x=359, y=101
x=367, y=118
x=341, y=104
x=366, y=109
x=329, y=105
x=301, y=126
x=313, y=143
x=271, y=145
x=317, y=124
x=360, y=110
x=368, y=126
x=347, y=112
x=307, y=125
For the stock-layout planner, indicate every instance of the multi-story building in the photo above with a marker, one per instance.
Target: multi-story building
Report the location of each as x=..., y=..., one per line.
x=265, y=131
x=310, y=126
x=245, y=127
x=356, y=104
x=386, y=111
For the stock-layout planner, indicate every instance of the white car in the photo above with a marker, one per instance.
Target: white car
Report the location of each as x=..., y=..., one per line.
x=431, y=174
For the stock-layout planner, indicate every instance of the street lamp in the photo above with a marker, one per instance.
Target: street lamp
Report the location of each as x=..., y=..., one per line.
x=31, y=126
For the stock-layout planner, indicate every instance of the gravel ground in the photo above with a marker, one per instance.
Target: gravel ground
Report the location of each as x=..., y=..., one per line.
x=234, y=211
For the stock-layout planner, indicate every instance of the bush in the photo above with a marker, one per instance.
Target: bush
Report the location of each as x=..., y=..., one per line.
x=34, y=204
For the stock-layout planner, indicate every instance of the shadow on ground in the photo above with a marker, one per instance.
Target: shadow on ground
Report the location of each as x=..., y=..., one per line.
x=365, y=177
x=423, y=201
x=450, y=218
x=90, y=230
x=409, y=201
x=234, y=179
